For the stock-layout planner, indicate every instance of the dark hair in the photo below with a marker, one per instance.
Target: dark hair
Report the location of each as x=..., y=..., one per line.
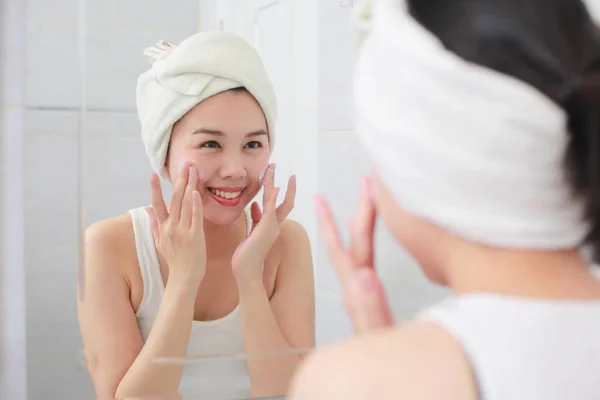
x=554, y=46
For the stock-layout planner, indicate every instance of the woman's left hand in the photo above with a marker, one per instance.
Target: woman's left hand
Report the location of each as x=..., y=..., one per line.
x=249, y=257
x=363, y=293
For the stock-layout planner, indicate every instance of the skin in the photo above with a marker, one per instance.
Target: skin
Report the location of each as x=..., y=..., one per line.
x=206, y=270
x=420, y=360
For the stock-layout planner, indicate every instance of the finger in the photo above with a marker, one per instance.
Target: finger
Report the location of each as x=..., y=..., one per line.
x=158, y=202
x=288, y=202
x=179, y=191
x=187, y=205
x=269, y=184
x=369, y=307
x=363, y=231
x=271, y=208
x=255, y=213
x=197, y=212
x=153, y=222
x=341, y=260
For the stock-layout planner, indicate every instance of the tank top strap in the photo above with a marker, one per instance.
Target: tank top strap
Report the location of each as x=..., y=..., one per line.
x=147, y=257
x=248, y=221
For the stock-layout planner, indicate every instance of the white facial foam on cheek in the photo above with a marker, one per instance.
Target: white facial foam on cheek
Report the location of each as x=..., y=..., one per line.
x=261, y=177
x=190, y=163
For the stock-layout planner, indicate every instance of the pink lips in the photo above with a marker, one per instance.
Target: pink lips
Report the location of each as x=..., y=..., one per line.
x=226, y=201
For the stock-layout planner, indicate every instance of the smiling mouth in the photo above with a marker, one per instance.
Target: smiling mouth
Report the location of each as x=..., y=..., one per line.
x=226, y=195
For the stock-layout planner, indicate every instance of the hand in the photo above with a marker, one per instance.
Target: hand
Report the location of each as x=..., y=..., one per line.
x=179, y=234
x=363, y=293
x=249, y=257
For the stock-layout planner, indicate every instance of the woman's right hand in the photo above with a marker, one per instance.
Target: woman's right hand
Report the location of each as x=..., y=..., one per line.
x=179, y=232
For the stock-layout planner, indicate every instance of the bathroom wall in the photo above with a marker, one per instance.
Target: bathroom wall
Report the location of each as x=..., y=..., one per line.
x=114, y=33
x=13, y=383
x=342, y=162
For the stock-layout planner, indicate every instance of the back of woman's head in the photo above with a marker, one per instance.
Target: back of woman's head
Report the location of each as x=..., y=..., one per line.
x=554, y=46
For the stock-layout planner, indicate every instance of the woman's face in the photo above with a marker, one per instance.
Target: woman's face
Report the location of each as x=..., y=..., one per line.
x=420, y=238
x=225, y=136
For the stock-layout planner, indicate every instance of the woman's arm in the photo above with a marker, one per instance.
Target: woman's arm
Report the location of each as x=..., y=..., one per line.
x=285, y=322
x=109, y=330
x=119, y=363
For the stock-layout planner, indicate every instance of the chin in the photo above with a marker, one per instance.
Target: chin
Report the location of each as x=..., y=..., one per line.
x=224, y=211
x=427, y=264
x=434, y=277
x=432, y=272
x=222, y=218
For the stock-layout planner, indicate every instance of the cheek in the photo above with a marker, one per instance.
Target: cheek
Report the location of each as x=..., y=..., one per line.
x=207, y=166
x=256, y=167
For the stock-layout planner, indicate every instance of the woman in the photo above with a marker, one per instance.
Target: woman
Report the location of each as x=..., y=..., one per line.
x=484, y=120
x=202, y=276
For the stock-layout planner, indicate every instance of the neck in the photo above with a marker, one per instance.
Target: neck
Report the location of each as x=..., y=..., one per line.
x=536, y=274
x=222, y=240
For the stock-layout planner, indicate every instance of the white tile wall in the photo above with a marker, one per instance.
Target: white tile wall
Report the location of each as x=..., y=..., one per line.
x=51, y=63
x=116, y=177
x=52, y=243
x=337, y=52
x=13, y=346
x=115, y=169
x=331, y=313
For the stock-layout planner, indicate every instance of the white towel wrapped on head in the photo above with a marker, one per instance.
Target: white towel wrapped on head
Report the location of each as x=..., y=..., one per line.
x=477, y=152
x=182, y=76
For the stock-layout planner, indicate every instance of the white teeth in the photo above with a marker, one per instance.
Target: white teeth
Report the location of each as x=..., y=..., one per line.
x=226, y=195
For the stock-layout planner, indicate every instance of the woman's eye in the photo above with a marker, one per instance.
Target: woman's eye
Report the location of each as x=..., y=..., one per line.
x=254, y=145
x=210, y=144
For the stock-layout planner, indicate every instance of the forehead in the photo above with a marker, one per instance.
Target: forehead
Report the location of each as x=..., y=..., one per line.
x=231, y=112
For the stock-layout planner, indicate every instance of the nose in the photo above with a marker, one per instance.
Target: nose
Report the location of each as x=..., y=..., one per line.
x=232, y=167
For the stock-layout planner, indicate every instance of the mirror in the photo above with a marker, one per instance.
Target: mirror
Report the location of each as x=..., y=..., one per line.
x=228, y=96
x=87, y=170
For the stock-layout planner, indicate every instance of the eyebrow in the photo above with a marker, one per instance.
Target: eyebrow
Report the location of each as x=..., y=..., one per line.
x=217, y=132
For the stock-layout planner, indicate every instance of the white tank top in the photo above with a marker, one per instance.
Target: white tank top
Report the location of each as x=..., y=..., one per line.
x=205, y=377
x=522, y=349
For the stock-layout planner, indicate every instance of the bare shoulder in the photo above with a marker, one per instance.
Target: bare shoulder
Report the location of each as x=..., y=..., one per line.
x=110, y=234
x=294, y=250
x=293, y=238
x=418, y=361
x=289, y=264
x=110, y=243
x=292, y=242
